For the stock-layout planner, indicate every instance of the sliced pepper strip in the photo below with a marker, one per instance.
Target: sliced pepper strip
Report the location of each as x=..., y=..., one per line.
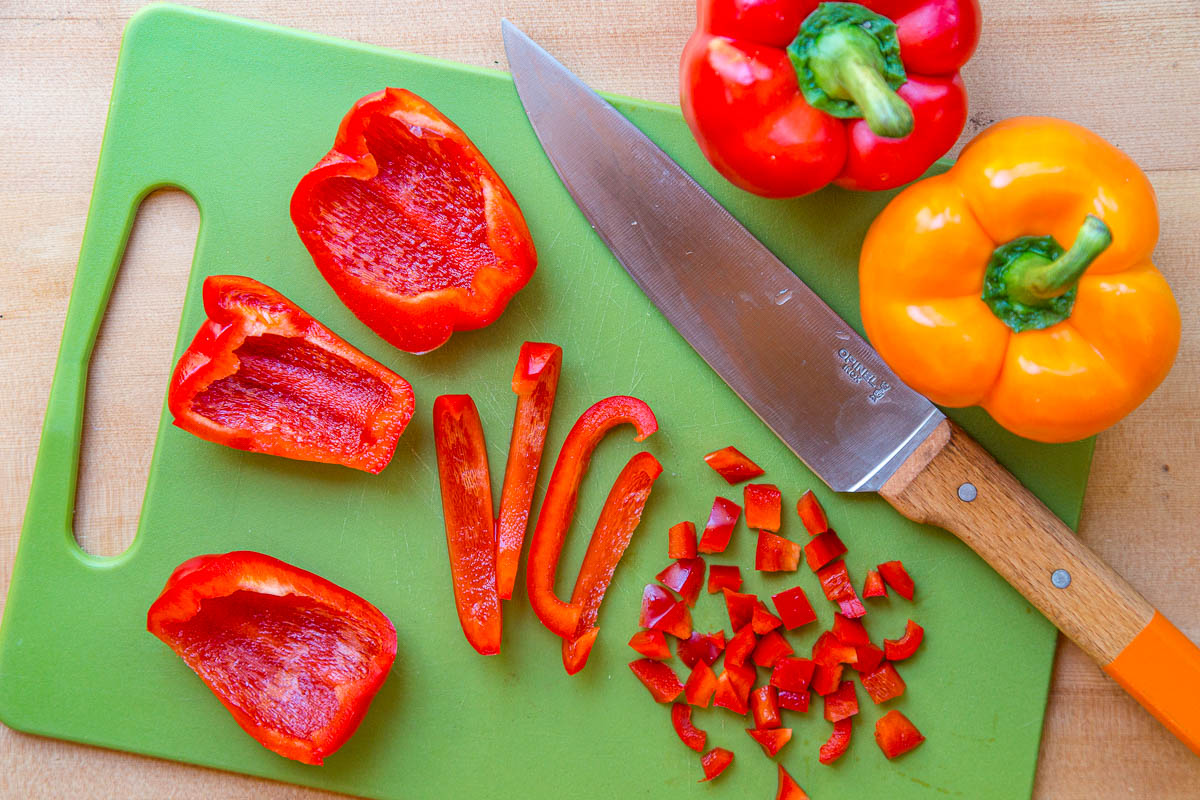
x=467, y=508
x=714, y=762
x=838, y=742
x=788, y=788
x=247, y=624
x=895, y=735
x=659, y=679
x=558, y=506
x=763, y=503
x=262, y=375
x=906, y=645
x=681, y=718
x=733, y=465
x=618, y=520
x=535, y=382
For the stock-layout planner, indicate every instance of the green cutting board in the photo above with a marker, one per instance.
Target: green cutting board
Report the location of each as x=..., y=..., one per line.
x=234, y=112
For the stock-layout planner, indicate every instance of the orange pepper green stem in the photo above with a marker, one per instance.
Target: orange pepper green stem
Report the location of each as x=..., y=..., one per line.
x=968, y=295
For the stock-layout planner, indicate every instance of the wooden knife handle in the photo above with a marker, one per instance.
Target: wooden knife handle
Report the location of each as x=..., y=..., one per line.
x=952, y=482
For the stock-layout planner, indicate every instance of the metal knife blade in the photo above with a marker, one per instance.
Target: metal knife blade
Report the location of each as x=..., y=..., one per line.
x=806, y=373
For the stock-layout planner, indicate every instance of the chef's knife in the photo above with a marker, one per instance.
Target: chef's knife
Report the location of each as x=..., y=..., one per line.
x=827, y=394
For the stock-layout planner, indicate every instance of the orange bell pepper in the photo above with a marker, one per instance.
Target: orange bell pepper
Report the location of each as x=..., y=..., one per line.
x=968, y=294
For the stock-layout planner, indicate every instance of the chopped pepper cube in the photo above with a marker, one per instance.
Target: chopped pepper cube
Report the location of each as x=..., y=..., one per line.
x=792, y=674
x=706, y=647
x=651, y=644
x=689, y=734
x=895, y=735
x=826, y=679
x=714, y=762
x=811, y=513
x=772, y=739
x=873, y=586
x=906, y=645
x=788, y=788
x=701, y=684
x=732, y=465
x=823, y=548
x=740, y=646
x=794, y=608
x=762, y=620
x=659, y=679
x=740, y=607
x=842, y=703
x=775, y=553
x=770, y=649
x=723, y=577
x=763, y=502
x=681, y=541
x=793, y=701
x=765, y=708
x=897, y=577
x=721, y=521
x=883, y=683
x=850, y=631
x=685, y=576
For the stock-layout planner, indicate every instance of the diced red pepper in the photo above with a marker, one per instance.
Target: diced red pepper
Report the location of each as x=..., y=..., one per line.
x=897, y=577
x=740, y=646
x=788, y=788
x=762, y=620
x=677, y=622
x=706, y=647
x=839, y=740
x=842, y=703
x=558, y=506
x=658, y=678
x=681, y=541
x=775, y=553
x=896, y=735
x=685, y=576
x=740, y=607
x=772, y=740
x=656, y=602
x=765, y=708
x=823, y=548
x=470, y=528
x=835, y=581
x=869, y=657
x=793, y=701
x=828, y=651
x=651, y=644
x=850, y=631
x=873, y=587
x=700, y=685
x=826, y=679
x=733, y=688
x=883, y=683
x=770, y=649
x=732, y=465
x=681, y=718
x=792, y=674
x=906, y=645
x=794, y=608
x=724, y=577
x=721, y=521
x=811, y=513
x=671, y=617
x=714, y=762
x=764, y=504
x=535, y=382
x=852, y=607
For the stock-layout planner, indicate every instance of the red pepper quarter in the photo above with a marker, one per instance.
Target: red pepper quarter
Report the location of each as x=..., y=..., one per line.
x=823, y=548
x=770, y=649
x=701, y=685
x=724, y=577
x=659, y=679
x=262, y=375
x=775, y=553
x=410, y=225
x=535, y=382
x=763, y=503
x=883, y=683
x=895, y=735
x=732, y=465
x=812, y=514
x=896, y=576
x=906, y=645
x=873, y=586
x=248, y=624
x=838, y=742
x=681, y=541
x=689, y=734
x=467, y=508
x=765, y=708
x=685, y=576
x=788, y=788
x=651, y=644
x=771, y=740
x=841, y=704
x=719, y=530
x=714, y=762
x=794, y=608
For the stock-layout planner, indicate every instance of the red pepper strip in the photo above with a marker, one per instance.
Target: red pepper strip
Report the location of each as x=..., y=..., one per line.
x=895, y=735
x=873, y=586
x=850, y=631
x=794, y=608
x=658, y=678
x=740, y=647
x=701, y=685
x=776, y=554
x=248, y=624
x=535, y=382
x=721, y=520
x=869, y=657
x=828, y=650
x=558, y=506
x=906, y=645
x=762, y=620
x=262, y=375
x=685, y=576
x=681, y=541
x=770, y=649
x=788, y=788
x=826, y=678
x=793, y=701
x=681, y=718
x=764, y=503
x=727, y=695
x=839, y=740
x=733, y=465
x=841, y=704
x=651, y=644
x=765, y=708
x=706, y=647
x=823, y=548
x=835, y=581
x=772, y=740
x=410, y=225
x=897, y=577
x=467, y=507
x=714, y=762
x=740, y=607
x=723, y=577
x=792, y=674
x=883, y=683
x=811, y=514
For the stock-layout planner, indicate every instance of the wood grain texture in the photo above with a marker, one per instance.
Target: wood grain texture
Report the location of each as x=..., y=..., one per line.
x=1125, y=68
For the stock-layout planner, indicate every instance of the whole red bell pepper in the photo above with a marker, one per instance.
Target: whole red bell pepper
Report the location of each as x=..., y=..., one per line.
x=262, y=375
x=294, y=658
x=410, y=225
x=785, y=96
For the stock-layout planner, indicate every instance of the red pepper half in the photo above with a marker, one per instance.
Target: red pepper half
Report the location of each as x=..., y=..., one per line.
x=723, y=577
x=681, y=541
x=721, y=521
x=765, y=708
x=811, y=514
x=762, y=620
x=850, y=631
x=558, y=506
x=775, y=553
x=772, y=740
x=740, y=607
x=794, y=608
x=763, y=502
x=838, y=742
x=823, y=548
x=467, y=508
x=784, y=96
x=896, y=735
x=883, y=683
x=792, y=674
x=410, y=225
x=651, y=644
x=873, y=586
x=733, y=465
x=906, y=645
x=706, y=647
x=896, y=576
x=701, y=685
x=841, y=704
x=535, y=382
x=659, y=679
x=714, y=762
x=685, y=576
x=248, y=624
x=262, y=375
x=681, y=718
x=619, y=518
x=770, y=649
x=793, y=701
x=788, y=788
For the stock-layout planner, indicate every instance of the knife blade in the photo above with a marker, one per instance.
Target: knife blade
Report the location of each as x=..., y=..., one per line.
x=826, y=393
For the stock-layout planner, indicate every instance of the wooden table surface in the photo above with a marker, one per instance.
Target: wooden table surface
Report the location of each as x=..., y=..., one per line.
x=1126, y=68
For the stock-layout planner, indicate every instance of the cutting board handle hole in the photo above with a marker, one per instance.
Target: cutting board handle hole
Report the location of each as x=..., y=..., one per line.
x=129, y=369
